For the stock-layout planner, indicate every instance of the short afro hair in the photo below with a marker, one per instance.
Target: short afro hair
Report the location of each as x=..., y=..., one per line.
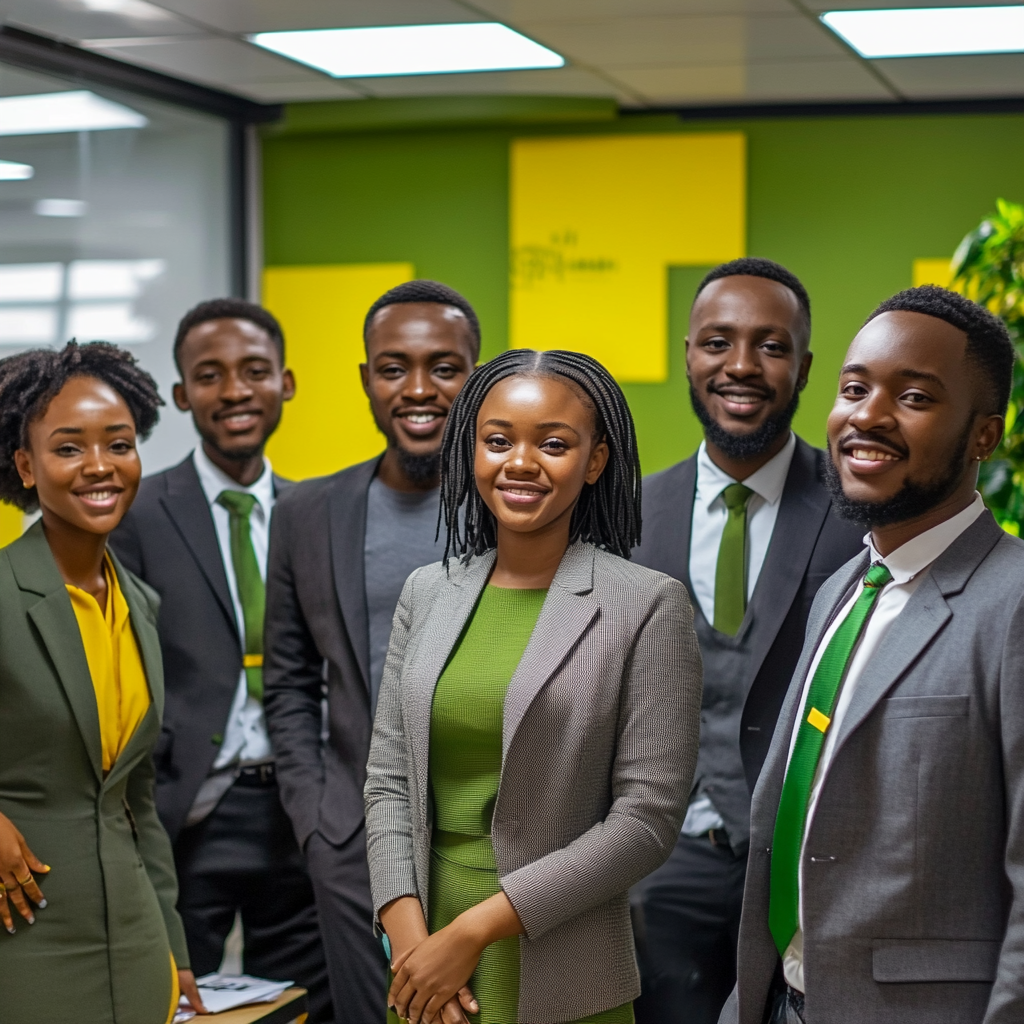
x=228, y=309
x=30, y=380
x=426, y=291
x=988, y=341
x=757, y=266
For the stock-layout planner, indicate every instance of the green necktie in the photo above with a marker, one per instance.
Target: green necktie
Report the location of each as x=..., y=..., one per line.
x=251, y=590
x=731, y=571
x=784, y=905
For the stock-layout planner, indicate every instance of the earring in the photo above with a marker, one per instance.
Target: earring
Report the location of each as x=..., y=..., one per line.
x=27, y=487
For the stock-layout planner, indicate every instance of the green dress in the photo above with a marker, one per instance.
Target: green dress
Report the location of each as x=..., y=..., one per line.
x=465, y=767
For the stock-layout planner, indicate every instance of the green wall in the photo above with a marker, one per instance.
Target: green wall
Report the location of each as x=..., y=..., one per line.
x=846, y=203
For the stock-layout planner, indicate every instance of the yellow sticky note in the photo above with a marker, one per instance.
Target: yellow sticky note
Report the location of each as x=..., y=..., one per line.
x=818, y=720
x=327, y=426
x=10, y=523
x=596, y=222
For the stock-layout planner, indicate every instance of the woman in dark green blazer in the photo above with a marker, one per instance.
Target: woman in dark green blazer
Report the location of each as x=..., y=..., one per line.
x=104, y=945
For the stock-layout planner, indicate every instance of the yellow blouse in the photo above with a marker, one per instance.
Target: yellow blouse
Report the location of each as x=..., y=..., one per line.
x=115, y=664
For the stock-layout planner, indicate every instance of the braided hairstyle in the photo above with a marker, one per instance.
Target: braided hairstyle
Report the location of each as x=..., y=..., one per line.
x=30, y=380
x=607, y=513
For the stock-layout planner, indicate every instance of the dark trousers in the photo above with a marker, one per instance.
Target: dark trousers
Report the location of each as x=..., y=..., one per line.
x=687, y=917
x=243, y=858
x=355, y=956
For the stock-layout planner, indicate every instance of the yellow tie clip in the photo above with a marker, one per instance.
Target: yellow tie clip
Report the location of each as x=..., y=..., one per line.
x=818, y=720
x=256, y=661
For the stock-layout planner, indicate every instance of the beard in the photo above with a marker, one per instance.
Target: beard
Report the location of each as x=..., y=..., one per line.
x=236, y=454
x=909, y=502
x=420, y=470
x=746, y=447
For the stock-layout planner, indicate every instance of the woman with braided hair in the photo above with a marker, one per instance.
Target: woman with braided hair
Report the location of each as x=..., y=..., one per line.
x=81, y=691
x=536, y=734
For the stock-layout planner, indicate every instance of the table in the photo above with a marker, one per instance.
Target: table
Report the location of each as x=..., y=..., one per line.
x=290, y=1007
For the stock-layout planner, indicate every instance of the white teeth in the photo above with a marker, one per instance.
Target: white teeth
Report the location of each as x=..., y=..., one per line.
x=421, y=417
x=520, y=490
x=99, y=495
x=871, y=455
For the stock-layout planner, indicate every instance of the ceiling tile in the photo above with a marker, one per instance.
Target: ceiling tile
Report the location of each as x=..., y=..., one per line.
x=712, y=83
x=925, y=78
x=776, y=38
x=73, y=19
x=243, y=16
x=555, y=82
x=519, y=11
x=213, y=61
x=859, y=5
x=296, y=92
x=813, y=81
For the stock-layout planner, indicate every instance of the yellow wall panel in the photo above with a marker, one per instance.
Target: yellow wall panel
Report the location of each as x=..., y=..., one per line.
x=328, y=425
x=596, y=222
x=933, y=271
x=10, y=523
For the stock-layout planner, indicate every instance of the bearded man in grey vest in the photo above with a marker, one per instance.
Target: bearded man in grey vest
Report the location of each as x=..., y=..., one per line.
x=746, y=524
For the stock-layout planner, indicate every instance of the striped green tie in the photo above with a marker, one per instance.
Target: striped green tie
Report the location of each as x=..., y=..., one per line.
x=731, y=570
x=816, y=717
x=251, y=589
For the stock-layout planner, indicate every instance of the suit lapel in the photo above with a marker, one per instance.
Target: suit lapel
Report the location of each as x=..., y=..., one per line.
x=54, y=618
x=189, y=511
x=567, y=613
x=668, y=525
x=920, y=621
x=804, y=505
x=829, y=601
x=347, y=512
x=437, y=637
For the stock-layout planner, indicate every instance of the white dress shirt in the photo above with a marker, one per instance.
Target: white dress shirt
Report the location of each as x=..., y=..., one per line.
x=710, y=514
x=245, y=735
x=908, y=565
x=707, y=526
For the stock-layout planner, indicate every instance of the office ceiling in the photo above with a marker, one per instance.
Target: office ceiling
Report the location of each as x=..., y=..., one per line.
x=643, y=53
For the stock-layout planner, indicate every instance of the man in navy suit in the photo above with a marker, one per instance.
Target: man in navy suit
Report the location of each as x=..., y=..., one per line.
x=199, y=535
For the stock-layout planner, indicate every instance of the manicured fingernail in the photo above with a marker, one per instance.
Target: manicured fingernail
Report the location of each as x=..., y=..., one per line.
x=10, y=928
x=41, y=904
x=31, y=919
x=46, y=867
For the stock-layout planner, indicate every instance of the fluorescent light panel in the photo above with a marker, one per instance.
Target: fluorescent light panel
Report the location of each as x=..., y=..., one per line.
x=930, y=31
x=52, y=112
x=410, y=49
x=11, y=171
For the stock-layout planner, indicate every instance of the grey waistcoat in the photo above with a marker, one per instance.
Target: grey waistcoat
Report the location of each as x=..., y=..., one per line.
x=727, y=675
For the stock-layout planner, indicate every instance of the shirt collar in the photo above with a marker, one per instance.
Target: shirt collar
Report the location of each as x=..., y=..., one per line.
x=917, y=554
x=213, y=480
x=767, y=483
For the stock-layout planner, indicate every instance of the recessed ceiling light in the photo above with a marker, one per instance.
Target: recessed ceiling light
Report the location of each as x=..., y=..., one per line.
x=11, y=171
x=61, y=207
x=78, y=111
x=930, y=31
x=410, y=49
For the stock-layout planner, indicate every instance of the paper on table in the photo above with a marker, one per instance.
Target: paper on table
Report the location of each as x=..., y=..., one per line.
x=221, y=992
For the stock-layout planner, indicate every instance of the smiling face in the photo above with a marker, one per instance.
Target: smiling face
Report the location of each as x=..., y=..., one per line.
x=82, y=457
x=905, y=435
x=747, y=361
x=233, y=383
x=535, y=449
x=418, y=356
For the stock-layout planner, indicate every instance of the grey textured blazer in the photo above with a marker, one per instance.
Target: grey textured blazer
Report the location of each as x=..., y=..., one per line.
x=599, y=745
x=913, y=868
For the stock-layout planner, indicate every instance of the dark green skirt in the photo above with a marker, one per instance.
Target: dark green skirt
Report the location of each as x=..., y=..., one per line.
x=463, y=874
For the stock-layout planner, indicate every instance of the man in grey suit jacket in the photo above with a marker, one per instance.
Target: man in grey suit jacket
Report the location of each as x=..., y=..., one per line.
x=885, y=880
x=748, y=359
x=341, y=549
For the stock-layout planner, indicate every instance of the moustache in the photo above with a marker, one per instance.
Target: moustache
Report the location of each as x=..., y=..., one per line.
x=869, y=441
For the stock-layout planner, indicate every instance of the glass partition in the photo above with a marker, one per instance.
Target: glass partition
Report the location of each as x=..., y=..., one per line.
x=114, y=220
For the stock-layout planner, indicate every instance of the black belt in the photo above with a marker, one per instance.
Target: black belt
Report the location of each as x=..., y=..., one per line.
x=786, y=999
x=258, y=775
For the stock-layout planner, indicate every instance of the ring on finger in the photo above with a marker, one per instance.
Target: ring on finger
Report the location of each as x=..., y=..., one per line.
x=3, y=891
x=23, y=883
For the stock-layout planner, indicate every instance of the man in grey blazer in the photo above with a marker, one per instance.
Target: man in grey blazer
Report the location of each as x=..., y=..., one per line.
x=341, y=549
x=747, y=360
x=885, y=879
